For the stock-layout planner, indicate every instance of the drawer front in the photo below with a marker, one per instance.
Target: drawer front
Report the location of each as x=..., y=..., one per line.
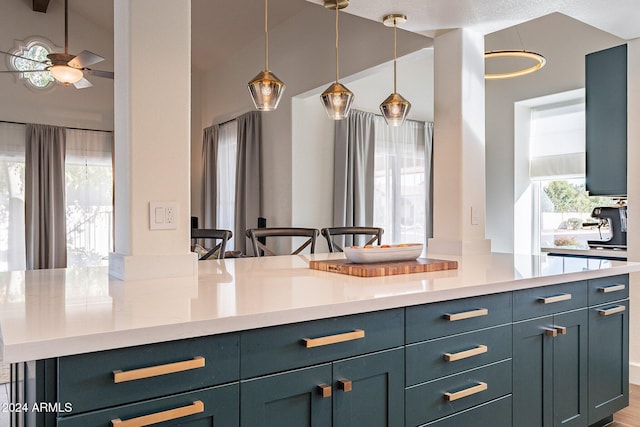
x=545, y=300
x=496, y=413
x=607, y=289
x=285, y=347
x=108, y=378
x=430, y=401
x=446, y=356
x=216, y=406
x=445, y=318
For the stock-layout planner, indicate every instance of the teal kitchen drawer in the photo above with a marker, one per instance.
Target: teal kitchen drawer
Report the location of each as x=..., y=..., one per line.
x=114, y=377
x=285, y=347
x=607, y=289
x=446, y=356
x=546, y=300
x=445, y=318
x=436, y=399
x=215, y=406
x=496, y=413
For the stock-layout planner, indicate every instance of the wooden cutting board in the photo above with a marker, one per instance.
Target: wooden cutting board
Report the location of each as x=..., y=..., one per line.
x=377, y=269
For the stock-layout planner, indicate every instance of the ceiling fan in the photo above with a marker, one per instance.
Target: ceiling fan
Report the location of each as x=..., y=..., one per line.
x=67, y=68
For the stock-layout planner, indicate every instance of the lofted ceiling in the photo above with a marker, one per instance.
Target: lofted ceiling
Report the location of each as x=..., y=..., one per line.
x=221, y=27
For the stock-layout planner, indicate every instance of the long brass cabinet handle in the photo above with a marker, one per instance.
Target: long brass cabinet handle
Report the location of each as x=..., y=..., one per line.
x=172, y=414
x=452, y=317
x=612, y=288
x=612, y=310
x=333, y=339
x=466, y=392
x=554, y=298
x=154, y=371
x=452, y=357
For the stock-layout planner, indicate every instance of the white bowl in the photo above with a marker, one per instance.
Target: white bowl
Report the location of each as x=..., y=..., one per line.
x=384, y=253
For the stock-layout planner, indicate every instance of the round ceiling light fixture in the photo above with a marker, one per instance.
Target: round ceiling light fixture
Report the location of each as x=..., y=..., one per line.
x=539, y=60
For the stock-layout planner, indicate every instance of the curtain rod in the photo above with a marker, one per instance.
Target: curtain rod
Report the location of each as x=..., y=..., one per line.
x=21, y=123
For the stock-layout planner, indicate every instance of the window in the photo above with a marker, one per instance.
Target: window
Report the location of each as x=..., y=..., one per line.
x=33, y=53
x=89, y=200
x=226, y=167
x=401, y=180
x=557, y=173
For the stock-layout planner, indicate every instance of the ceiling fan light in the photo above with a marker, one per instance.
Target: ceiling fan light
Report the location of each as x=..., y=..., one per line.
x=266, y=91
x=337, y=101
x=65, y=74
x=395, y=109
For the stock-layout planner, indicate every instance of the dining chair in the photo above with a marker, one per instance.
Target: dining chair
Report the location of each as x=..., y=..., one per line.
x=211, y=233
x=374, y=234
x=261, y=249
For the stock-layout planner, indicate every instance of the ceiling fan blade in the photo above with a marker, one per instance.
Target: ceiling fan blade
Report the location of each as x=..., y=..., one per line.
x=23, y=71
x=85, y=58
x=22, y=57
x=82, y=83
x=98, y=73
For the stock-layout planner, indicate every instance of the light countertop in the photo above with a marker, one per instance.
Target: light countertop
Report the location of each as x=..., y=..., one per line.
x=588, y=252
x=50, y=313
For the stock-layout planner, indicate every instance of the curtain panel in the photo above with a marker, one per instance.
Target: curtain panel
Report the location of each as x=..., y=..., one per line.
x=45, y=219
x=209, y=176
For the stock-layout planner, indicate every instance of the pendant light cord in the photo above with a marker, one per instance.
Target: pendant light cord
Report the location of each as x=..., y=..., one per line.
x=394, y=55
x=66, y=27
x=336, y=41
x=266, y=36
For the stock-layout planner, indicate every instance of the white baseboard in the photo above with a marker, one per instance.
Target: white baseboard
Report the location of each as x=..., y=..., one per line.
x=634, y=373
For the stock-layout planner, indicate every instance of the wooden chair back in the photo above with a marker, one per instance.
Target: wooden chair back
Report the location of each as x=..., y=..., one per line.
x=373, y=234
x=223, y=236
x=261, y=249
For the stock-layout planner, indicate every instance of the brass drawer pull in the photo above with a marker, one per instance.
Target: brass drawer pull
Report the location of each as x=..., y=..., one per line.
x=466, y=392
x=550, y=332
x=612, y=288
x=333, y=339
x=154, y=371
x=612, y=310
x=555, y=298
x=324, y=390
x=345, y=385
x=452, y=357
x=452, y=317
x=562, y=330
x=172, y=414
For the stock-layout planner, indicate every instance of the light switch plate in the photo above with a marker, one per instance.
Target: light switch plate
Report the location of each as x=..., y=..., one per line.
x=163, y=215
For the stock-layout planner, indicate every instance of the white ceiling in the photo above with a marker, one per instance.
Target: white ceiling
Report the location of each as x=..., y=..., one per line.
x=221, y=27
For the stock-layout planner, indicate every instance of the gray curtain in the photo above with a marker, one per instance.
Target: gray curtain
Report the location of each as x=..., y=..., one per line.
x=353, y=170
x=428, y=161
x=209, y=176
x=45, y=221
x=248, y=177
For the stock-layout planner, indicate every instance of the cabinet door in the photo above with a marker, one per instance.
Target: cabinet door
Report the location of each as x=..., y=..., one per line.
x=606, y=122
x=570, y=369
x=532, y=376
x=369, y=390
x=292, y=398
x=608, y=359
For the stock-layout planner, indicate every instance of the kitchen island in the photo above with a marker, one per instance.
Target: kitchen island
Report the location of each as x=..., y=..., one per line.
x=233, y=342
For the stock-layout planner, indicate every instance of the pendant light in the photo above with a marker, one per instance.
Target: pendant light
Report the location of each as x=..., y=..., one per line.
x=337, y=98
x=266, y=89
x=395, y=108
x=539, y=61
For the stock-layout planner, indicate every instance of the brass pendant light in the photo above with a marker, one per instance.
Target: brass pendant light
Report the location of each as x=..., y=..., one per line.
x=266, y=89
x=395, y=108
x=337, y=99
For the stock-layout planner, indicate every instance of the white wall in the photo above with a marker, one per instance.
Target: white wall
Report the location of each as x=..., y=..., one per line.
x=564, y=42
x=301, y=53
x=63, y=106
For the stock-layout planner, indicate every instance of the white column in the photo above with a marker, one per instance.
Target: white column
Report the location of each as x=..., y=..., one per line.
x=459, y=149
x=152, y=49
x=633, y=200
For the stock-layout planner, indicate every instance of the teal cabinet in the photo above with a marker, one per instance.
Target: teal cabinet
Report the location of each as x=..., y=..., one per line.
x=606, y=122
x=550, y=371
x=363, y=390
x=608, y=359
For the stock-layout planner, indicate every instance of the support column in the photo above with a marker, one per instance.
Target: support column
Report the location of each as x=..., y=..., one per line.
x=459, y=150
x=152, y=49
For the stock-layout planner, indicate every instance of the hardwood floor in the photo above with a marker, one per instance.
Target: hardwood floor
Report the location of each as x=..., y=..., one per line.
x=629, y=416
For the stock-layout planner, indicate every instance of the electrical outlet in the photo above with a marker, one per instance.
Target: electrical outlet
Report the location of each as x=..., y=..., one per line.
x=163, y=215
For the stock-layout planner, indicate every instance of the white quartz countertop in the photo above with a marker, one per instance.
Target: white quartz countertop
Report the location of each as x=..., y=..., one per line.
x=50, y=313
